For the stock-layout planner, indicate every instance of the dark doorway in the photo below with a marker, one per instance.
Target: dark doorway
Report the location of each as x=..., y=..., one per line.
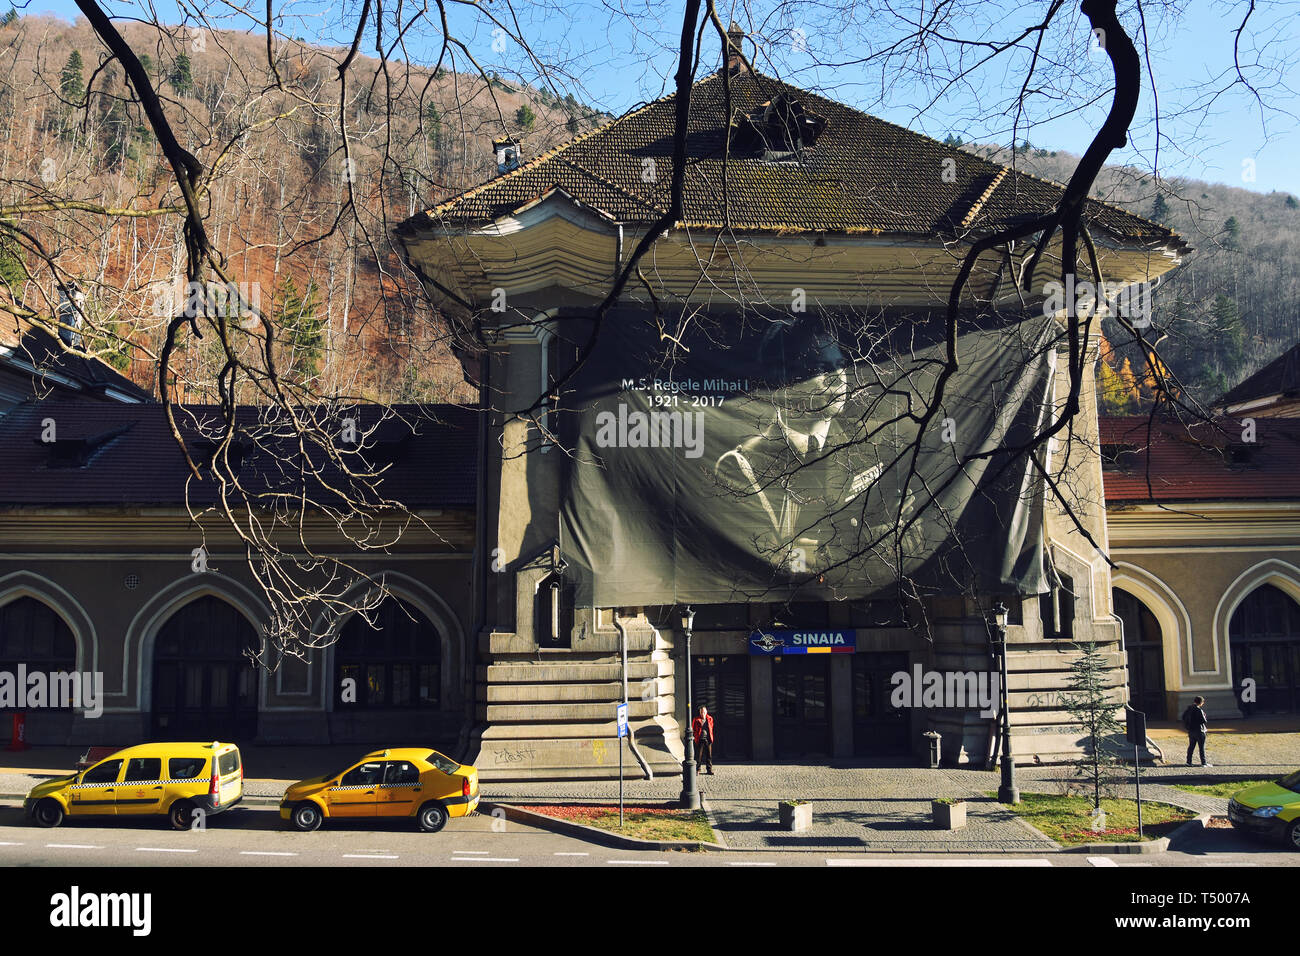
x=722, y=685
x=1265, y=638
x=204, y=685
x=879, y=729
x=801, y=705
x=1144, y=646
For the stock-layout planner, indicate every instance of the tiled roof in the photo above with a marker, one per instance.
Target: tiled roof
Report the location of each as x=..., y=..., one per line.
x=861, y=175
x=123, y=455
x=1279, y=377
x=39, y=348
x=1200, y=462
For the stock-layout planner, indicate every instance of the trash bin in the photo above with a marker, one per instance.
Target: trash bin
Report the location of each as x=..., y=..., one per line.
x=932, y=740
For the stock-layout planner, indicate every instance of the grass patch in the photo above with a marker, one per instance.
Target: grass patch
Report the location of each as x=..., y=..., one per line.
x=665, y=822
x=1068, y=820
x=1224, y=789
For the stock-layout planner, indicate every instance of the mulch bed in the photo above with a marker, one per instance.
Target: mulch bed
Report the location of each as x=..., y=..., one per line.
x=586, y=811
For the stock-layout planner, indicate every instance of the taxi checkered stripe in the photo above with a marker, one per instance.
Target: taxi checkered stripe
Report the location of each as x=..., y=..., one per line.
x=127, y=784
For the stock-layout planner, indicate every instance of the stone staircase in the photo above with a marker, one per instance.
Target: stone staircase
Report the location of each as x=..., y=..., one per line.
x=549, y=714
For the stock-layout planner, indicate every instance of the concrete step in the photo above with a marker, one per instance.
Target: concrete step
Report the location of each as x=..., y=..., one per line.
x=647, y=689
x=558, y=712
x=575, y=671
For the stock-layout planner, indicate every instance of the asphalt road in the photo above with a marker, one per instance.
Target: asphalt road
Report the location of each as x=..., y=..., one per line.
x=248, y=836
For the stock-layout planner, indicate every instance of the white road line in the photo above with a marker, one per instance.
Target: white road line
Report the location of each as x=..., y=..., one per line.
x=568, y=853
x=641, y=862
x=161, y=849
x=1102, y=861
x=485, y=859
x=942, y=862
x=748, y=863
x=10, y=844
x=73, y=846
x=470, y=852
x=265, y=853
x=370, y=856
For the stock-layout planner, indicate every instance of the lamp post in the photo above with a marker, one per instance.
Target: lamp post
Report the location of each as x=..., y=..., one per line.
x=690, y=798
x=1007, y=791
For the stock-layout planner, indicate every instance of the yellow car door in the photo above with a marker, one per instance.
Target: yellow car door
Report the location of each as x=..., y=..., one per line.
x=95, y=793
x=400, y=792
x=141, y=790
x=357, y=791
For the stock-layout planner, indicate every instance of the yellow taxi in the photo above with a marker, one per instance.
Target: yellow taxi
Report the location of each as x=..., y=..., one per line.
x=412, y=782
x=185, y=782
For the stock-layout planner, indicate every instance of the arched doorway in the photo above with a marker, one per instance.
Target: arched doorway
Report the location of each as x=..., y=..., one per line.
x=394, y=665
x=1264, y=635
x=1144, y=646
x=204, y=684
x=32, y=634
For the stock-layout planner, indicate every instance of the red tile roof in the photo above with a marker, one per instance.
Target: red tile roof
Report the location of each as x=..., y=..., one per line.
x=123, y=455
x=1166, y=460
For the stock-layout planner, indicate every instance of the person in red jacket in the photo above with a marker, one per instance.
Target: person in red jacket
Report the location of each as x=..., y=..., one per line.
x=702, y=728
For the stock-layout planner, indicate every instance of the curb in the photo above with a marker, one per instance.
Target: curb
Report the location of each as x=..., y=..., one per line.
x=248, y=799
x=593, y=834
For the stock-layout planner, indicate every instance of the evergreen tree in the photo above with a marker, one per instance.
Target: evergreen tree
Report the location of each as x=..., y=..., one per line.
x=1231, y=232
x=525, y=117
x=1092, y=707
x=10, y=18
x=13, y=272
x=1160, y=209
x=1291, y=202
x=572, y=125
x=181, y=77
x=433, y=127
x=71, y=82
x=302, y=327
x=1228, y=337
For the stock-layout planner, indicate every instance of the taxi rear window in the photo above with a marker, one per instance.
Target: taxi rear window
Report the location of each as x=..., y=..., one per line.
x=228, y=763
x=441, y=762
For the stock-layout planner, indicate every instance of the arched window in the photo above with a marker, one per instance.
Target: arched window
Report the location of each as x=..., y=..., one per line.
x=395, y=664
x=1264, y=635
x=204, y=681
x=33, y=635
x=1144, y=646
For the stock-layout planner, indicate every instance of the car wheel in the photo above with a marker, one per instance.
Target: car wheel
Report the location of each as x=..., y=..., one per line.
x=306, y=817
x=1293, y=835
x=181, y=815
x=433, y=817
x=48, y=813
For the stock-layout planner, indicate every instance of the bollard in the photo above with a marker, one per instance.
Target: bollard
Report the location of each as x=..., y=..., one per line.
x=932, y=739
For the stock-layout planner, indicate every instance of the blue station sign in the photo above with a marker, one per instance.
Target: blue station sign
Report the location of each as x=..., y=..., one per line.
x=787, y=641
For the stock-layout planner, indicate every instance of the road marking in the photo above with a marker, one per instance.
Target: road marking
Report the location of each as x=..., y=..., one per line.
x=749, y=863
x=370, y=856
x=485, y=859
x=569, y=853
x=470, y=852
x=265, y=853
x=943, y=862
x=161, y=849
x=73, y=846
x=641, y=862
x=10, y=844
x=1102, y=861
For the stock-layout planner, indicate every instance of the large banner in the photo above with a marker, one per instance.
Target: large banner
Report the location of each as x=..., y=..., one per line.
x=773, y=458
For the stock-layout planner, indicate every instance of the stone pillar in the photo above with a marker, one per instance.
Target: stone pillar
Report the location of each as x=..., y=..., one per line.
x=760, y=702
x=841, y=693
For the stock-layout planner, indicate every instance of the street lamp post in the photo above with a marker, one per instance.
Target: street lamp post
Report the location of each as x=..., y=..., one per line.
x=1007, y=791
x=690, y=798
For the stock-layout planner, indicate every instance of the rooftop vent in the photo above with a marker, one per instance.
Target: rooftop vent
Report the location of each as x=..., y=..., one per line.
x=507, y=153
x=735, y=39
x=72, y=306
x=780, y=129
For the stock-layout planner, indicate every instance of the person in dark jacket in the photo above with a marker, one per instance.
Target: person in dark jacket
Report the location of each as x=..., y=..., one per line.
x=702, y=727
x=1196, y=724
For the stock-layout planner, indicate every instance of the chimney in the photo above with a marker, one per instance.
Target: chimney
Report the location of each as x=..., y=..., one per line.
x=735, y=40
x=507, y=153
x=72, y=306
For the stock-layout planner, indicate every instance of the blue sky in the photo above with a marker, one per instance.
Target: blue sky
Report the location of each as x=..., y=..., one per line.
x=621, y=53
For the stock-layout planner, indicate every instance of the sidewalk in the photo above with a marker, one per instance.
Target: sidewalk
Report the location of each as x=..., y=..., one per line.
x=857, y=805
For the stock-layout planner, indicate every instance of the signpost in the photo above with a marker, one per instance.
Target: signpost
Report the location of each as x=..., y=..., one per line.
x=622, y=732
x=1136, y=727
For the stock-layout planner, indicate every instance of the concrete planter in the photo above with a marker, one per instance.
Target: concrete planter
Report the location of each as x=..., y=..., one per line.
x=795, y=816
x=948, y=816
